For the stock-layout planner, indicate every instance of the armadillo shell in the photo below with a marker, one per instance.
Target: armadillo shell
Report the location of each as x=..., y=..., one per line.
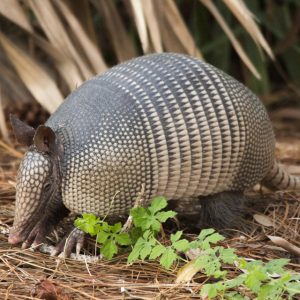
x=176, y=125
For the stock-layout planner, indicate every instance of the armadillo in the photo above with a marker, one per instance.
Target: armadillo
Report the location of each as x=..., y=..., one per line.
x=170, y=123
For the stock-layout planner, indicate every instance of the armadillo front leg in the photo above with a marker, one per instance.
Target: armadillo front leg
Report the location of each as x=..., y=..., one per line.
x=53, y=214
x=74, y=239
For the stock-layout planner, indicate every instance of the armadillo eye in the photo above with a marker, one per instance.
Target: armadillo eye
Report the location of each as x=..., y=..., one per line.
x=47, y=186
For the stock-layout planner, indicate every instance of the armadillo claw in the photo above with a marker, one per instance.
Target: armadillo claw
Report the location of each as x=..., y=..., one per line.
x=36, y=236
x=74, y=239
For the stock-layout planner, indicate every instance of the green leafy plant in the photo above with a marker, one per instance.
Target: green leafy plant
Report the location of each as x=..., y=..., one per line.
x=256, y=279
x=109, y=236
x=149, y=221
x=153, y=216
x=149, y=246
x=264, y=280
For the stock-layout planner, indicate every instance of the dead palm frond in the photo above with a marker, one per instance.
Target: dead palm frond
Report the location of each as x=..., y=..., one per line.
x=66, y=42
x=235, y=43
x=37, y=80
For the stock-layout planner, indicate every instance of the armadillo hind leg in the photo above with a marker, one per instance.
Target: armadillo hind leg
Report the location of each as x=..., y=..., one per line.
x=279, y=179
x=220, y=211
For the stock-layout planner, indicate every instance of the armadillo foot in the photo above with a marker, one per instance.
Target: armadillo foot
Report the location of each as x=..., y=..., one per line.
x=37, y=235
x=74, y=239
x=224, y=210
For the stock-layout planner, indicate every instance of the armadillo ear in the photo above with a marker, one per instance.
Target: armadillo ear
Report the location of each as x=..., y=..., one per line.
x=44, y=139
x=23, y=132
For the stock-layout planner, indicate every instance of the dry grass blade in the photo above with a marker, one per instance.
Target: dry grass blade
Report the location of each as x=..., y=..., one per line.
x=3, y=128
x=91, y=51
x=235, y=43
x=245, y=17
x=122, y=44
x=82, y=11
x=57, y=35
x=170, y=41
x=153, y=25
x=36, y=79
x=140, y=23
x=181, y=31
x=12, y=10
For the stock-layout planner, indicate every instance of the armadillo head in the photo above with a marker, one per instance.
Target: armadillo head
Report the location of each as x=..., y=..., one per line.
x=38, y=177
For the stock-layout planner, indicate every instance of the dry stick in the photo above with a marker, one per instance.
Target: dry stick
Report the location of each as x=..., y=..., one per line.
x=140, y=201
x=279, y=241
x=17, y=295
x=89, y=296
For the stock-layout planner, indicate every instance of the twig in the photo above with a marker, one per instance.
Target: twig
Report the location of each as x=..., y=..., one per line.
x=140, y=201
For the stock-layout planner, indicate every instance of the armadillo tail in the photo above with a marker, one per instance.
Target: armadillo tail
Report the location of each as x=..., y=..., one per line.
x=279, y=179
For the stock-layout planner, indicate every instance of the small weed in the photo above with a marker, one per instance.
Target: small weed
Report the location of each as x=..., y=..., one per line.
x=256, y=279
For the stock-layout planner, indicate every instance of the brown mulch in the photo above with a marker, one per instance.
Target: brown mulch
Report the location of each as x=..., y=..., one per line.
x=25, y=274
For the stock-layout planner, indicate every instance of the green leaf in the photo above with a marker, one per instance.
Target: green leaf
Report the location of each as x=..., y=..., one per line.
x=276, y=265
x=175, y=237
x=123, y=239
x=87, y=223
x=90, y=218
x=194, y=245
x=145, y=251
x=210, y=263
x=285, y=277
x=90, y=228
x=165, y=215
x=202, y=260
x=105, y=227
x=135, y=234
x=98, y=228
x=254, y=278
x=235, y=282
x=181, y=245
x=102, y=237
x=293, y=288
x=205, y=232
x=205, y=238
x=235, y=296
x=116, y=228
x=155, y=225
x=211, y=239
x=147, y=234
x=109, y=249
x=168, y=258
x=146, y=218
x=157, y=204
x=208, y=291
x=157, y=251
x=139, y=216
x=269, y=291
x=227, y=255
x=135, y=253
